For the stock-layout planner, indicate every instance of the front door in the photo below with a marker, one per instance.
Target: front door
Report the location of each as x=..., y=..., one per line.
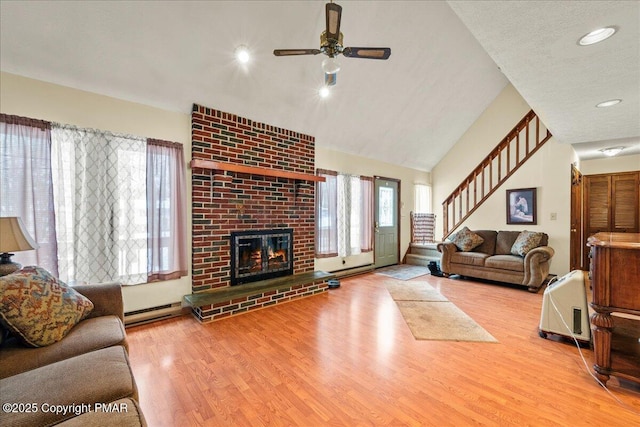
x=387, y=249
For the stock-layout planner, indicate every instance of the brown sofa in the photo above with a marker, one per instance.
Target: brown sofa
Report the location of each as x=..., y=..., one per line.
x=493, y=260
x=84, y=379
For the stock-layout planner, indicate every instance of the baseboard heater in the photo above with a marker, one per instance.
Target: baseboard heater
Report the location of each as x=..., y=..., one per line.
x=153, y=314
x=352, y=271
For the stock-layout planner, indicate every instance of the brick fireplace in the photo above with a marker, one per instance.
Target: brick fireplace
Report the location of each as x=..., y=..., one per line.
x=248, y=176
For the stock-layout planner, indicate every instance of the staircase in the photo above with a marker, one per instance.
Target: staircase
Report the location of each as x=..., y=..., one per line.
x=422, y=253
x=423, y=248
x=516, y=148
x=512, y=152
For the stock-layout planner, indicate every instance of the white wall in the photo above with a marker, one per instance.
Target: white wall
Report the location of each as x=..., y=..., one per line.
x=610, y=165
x=355, y=165
x=32, y=98
x=549, y=170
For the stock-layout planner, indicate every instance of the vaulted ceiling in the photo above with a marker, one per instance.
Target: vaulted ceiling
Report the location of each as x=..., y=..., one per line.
x=449, y=61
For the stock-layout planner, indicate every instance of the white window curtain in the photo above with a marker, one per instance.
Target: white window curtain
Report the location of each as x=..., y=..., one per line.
x=166, y=211
x=349, y=215
x=366, y=208
x=99, y=182
x=25, y=185
x=327, y=215
x=344, y=212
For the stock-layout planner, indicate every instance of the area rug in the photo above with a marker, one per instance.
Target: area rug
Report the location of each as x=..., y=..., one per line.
x=414, y=291
x=403, y=271
x=430, y=316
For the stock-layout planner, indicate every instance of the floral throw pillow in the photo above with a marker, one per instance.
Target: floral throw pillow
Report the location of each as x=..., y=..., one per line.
x=526, y=241
x=39, y=308
x=465, y=240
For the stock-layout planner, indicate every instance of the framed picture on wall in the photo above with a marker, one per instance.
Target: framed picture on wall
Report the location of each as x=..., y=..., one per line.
x=521, y=206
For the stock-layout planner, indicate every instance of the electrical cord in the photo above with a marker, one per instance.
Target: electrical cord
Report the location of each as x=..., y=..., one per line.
x=584, y=361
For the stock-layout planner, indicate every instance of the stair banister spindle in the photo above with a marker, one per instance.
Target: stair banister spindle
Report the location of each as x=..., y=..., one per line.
x=509, y=155
x=527, y=139
x=467, y=195
x=517, y=159
x=482, y=185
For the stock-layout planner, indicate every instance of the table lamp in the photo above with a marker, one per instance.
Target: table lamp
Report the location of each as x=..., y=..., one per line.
x=13, y=238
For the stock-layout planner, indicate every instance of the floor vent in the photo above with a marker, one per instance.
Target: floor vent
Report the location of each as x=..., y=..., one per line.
x=140, y=317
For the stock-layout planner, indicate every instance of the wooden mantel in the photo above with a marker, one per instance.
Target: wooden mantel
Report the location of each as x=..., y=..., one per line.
x=233, y=167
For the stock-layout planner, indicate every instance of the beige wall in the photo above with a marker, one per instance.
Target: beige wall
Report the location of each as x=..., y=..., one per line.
x=549, y=170
x=355, y=165
x=610, y=165
x=32, y=98
x=41, y=100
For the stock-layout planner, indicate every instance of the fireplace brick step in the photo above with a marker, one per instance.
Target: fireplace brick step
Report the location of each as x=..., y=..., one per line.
x=230, y=293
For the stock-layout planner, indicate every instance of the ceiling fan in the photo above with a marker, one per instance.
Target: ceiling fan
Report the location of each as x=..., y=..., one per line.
x=331, y=45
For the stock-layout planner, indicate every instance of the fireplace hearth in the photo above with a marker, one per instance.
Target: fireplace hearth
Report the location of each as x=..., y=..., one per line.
x=261, y=254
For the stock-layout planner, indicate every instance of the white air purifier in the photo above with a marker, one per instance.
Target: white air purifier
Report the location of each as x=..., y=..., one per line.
x=564, y=308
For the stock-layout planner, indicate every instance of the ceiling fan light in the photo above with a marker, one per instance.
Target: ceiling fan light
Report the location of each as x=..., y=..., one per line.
x=324, y=92
x=242, y=54
x=330, y=66
x=611, y=151
x=596, y=36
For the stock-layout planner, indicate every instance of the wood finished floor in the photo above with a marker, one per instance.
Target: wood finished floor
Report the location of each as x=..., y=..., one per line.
x=347, y=358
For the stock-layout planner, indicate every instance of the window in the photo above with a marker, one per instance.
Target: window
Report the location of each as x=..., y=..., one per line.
x=422, y=219
x=25, y=185
x=118, y=203
x=327, y=215
x=344, y=215
x=422, y=198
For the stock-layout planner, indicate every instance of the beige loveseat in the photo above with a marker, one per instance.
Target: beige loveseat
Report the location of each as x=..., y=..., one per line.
x=494, y=260
x=82, y=380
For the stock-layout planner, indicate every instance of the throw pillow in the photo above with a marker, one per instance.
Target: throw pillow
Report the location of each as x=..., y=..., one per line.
x=39, y=308
x=466, y=240
x=526, y=241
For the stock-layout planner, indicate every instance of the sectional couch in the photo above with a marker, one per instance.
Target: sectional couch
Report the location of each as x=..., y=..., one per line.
x=81, y=379
x=516, y=257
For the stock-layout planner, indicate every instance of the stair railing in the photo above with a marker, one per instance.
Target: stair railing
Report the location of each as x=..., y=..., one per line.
x=506, y=158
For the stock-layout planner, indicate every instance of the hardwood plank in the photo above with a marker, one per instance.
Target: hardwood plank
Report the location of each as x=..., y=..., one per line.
x=346, y=357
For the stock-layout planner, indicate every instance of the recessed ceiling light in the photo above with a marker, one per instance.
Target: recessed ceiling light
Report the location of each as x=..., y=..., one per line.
x=611, y=151
x=323, y=92
x=242, y=54
x=597, y=36
x=609, y=103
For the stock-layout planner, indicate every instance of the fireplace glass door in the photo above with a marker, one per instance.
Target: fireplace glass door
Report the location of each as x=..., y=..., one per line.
x=261, y=254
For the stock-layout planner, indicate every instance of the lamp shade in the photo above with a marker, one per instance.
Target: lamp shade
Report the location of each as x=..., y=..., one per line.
x=14, y=236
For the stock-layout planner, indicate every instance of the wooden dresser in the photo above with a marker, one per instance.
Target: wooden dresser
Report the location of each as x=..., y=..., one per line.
x=615, y=279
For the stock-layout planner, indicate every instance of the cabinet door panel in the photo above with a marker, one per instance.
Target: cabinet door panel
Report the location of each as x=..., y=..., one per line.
x=625, y=203
x=598, y=203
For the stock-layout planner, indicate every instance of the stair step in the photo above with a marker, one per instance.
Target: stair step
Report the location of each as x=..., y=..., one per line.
x=425, y=249
x=414, y=259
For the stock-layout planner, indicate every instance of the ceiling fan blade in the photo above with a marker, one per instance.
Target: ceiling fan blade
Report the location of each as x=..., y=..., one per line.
x=367, y=52
x=289, y=52
x=334, y=14
x=330, y=79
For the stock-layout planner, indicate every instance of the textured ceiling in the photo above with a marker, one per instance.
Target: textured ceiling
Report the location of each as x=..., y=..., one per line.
x=535, y=43
x=408, y=110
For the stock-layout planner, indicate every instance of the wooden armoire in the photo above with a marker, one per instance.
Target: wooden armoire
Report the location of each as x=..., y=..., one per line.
x=611, y=203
